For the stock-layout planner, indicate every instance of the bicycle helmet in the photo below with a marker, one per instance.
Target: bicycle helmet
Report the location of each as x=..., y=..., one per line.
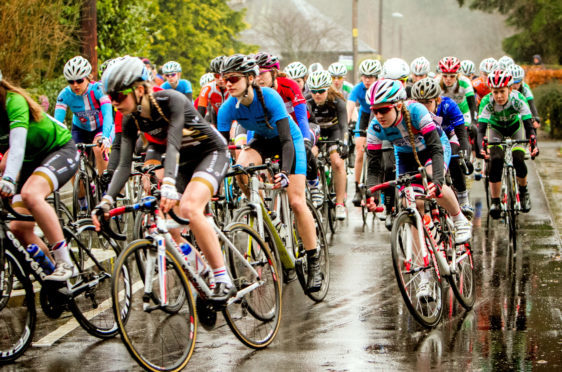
x=517, y=72
x=395, y=69
x=206, y=78
x=296, y=70
x=420, y=66
x=266, y=60
x=215, y=65
x=171, y=67
x=370, y=67
x=449, y=65
x=337, y=69
x=385, y=91
x=319, y=79
x=240, y=63
x=77, y=68
x=487, y=65
x=504, y=62
x=426, y=88
x=467, y=67
x=123, y=74
x=315, y=67
x=500, y=78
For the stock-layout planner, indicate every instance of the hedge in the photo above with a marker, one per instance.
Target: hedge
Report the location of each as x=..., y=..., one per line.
x=548, y=99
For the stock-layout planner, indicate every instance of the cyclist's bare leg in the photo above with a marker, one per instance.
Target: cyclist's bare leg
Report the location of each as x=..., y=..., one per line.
x=340, y=176
x=359, y=151
x=246, y=157
x=101, y=163
x=297, y=202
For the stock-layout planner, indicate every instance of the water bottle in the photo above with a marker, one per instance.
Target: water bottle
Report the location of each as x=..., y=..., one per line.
x=39, y=257
x=197, y=263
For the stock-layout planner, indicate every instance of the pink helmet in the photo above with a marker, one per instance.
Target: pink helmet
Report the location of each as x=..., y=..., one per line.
x=266, y=60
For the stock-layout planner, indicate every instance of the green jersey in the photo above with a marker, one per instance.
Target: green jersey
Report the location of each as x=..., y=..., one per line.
x=506, y=116
x=458, y=93
x=526, y=91
x=42, y=137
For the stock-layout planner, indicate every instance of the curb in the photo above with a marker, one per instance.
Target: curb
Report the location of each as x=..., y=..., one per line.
x=555, y=228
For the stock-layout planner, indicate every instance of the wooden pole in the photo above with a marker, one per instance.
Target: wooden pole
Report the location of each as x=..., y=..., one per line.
x=354, y=33
x=89, y=33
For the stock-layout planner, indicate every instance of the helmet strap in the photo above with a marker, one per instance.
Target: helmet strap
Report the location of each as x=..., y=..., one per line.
x=398, y=118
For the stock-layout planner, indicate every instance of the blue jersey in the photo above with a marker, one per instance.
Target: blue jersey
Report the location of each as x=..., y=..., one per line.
x=422, y=123
x=184, y=86
x=91, y=110
x=358, y=95
x=450, y=113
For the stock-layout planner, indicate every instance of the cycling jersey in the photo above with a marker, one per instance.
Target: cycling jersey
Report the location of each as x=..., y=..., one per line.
x=346, y=89
x=42, y=137
x=506, y=116
x=212, y=95
x=525, y=89
x=451, y=114
x=459, y=92
x=330, y=114
x=184, y=86
x=91, y=110
x=358, y=95
x=481, y=88
x=295, y=103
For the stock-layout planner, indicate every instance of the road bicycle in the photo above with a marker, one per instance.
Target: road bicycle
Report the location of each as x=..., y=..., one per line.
x=327, y=184
x=161, y=327
x=86, y=187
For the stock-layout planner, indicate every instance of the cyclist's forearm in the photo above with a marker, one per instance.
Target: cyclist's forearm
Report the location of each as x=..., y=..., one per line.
x=18, y=139
x=533, y=108
x=374, y=167
x=287, y=145
x=471, y=100
x=108, y=127
x=462, y=135
x=435, y=147
x=529, y=128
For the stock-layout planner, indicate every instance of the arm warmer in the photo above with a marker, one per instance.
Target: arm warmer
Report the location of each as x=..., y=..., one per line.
x=533, y=108
x=471, y=100
x=121, y=175
x=302, y=119
x=529, y=128
x=287, y=146
x=462, y=135
x=18, y=139
x=435, y=148
x=374, y=169
x=342, y=118
x=107, y=113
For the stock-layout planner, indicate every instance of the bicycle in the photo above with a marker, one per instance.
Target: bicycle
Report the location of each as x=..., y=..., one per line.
x=423, y=244
x=327, y=184
x=86, y=184
x=87, y=296
x=276, y=225
x=162, y=305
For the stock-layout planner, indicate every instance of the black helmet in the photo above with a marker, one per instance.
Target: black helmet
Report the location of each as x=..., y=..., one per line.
x=123, y=74
x=240, y=63
x=215, y=66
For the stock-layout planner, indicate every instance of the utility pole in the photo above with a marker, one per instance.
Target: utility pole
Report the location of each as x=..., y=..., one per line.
x=89, y=33
x=354, y=33
x=380, y=28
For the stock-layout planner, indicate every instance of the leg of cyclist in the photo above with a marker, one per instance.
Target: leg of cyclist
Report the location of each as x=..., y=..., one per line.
x=459, y=181
x=359, y=151
x=518, y=153
x=389, y=172
x=101, y=162
x=496, y=171
x=340, y=180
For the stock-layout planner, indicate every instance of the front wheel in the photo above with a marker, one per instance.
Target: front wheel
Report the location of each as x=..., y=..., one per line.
x=462, y=280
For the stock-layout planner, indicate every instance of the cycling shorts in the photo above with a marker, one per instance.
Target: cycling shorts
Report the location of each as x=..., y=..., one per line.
x=271, y=147
x=83, y=136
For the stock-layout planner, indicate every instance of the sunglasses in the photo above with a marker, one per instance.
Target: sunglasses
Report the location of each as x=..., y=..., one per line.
x=77, y=81
x=318, y=91
x=120, y=96
x=382, y=110
x=171, y=75
x=233, y=79
x=337, y=77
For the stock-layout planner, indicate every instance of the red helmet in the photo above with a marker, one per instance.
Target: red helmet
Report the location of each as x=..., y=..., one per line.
x=500, y=78
x=449, y=65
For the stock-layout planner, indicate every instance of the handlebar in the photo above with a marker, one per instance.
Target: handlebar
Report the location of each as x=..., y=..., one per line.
x=402, y=180
x=239, y=169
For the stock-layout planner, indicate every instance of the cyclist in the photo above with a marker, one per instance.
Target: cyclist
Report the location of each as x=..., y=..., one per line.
x=397, y=69
x=419, y=67
x=92, y=118
x=480, y=84
x=518, y=84
x=369, y=70
x=214, y=93
x=172, y=72
x=316, y=66
x=428, y=92
x=196, y=157
x=417, y=141
x=43, y=154
x=468, y=69
x=457, y=88
x=338, y=71
x=504, y=62
x=501, y=113
x=275, y=133
x=299, y=73
x=328, y=110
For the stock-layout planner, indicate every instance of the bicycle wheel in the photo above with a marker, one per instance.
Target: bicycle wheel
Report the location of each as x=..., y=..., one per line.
x=18, y=316
x=511, y=211
x=7, y=283
x=92, y=305
x=157, y=339
x=462, y=280
x=254, y=318
x=81, y=191
x=324, y=209
x=324, y=260
x=487, y=183
x=331, y=200
x=410, y=271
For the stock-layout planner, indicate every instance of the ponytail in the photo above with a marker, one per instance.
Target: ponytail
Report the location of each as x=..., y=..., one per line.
x=408, y=118
x=259, y=94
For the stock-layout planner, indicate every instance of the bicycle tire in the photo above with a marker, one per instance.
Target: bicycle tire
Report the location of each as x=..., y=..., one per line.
x=255, y=318
x=92, y=308
x=7, y=283
x=20, y=308
x=157, y=340
x=427, y=313
x=331, y=199
x=462, y=281
x=81, y=181
x=511, y=200
x=325, y=207
x=322, y=243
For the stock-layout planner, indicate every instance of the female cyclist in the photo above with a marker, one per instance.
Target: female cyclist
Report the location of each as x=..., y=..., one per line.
x=213, y=94
x=44, y=156
x=518, y=84
x=501, y=113
x=428, y=92
x=275, y=133
x=338, y=71
x=196, y=157
x=299, y=73
x=468, y=69
x=419, y=67
x=172, y=72
x=328, y=110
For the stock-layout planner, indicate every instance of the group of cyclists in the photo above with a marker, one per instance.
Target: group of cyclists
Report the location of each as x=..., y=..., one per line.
x=402, y=117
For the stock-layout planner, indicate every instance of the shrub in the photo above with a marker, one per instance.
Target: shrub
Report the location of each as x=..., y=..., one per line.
x=538, y=76
x=548, y=99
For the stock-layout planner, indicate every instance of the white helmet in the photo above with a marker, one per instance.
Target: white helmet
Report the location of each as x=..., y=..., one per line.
x=315, y=67
x=77, y=68
x=171, y=67
x=487, y=65
x=385, y=91
x=370, y=67
x=296, y=70
x=517, y=72
x=319, y=79
x=504, y=62
x=467, y=67
x=395, y=69
x=337, y=69
x=206, y=78
x=420, y=66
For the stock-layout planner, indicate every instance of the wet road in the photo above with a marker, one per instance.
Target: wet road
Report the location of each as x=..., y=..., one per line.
x=363, y=324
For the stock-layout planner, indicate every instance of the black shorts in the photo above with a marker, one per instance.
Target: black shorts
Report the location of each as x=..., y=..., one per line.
x=271, y=147
x=209, y=170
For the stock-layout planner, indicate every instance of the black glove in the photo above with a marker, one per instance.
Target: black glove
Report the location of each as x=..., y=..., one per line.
x=343, y=151
x=103, y=207
x=307, y=146
x=105, y=178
